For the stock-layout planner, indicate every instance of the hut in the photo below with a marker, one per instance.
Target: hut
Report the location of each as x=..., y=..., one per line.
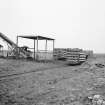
x=39, y=54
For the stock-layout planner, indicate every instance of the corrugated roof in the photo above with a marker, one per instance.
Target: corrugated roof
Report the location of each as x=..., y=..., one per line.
x=35, y=37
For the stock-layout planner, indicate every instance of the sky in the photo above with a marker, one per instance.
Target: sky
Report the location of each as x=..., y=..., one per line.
x=73, y=23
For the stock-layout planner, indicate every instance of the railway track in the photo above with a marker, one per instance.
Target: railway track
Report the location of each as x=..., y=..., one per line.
x=9, y=76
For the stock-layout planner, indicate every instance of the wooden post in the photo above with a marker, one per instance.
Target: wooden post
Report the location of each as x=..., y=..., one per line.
x=7, y=51
x=46, y=50
x=2, y=51
x=34, y=49
x=17, y=49
x=53, y=49
x=37, y=49
x=46, y=46
x=17, y=41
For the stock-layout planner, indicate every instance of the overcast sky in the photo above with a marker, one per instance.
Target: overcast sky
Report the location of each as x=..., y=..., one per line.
x=73, y=23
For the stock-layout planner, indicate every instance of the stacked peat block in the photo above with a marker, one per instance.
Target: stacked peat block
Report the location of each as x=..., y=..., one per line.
x=71, y=55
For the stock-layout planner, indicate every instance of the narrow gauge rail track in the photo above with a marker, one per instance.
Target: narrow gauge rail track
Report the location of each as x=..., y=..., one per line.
x=5, y=77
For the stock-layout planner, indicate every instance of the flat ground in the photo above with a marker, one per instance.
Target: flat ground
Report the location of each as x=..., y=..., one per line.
x=54, y=83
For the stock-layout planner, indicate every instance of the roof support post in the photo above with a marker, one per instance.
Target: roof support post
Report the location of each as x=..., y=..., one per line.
x=18, y=52
x=2, y=52
x=37, y=49
x=53, y=48
x=46, y=46
x=17, y=40
x=46, y=50
x=34, y=49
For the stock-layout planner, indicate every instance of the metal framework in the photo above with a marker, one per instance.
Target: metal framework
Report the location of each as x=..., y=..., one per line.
x=36, y=41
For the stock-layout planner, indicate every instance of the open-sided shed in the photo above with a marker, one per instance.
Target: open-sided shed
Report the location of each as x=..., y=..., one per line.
x=36, y=41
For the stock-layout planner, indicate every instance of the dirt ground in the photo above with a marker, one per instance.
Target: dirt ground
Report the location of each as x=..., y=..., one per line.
x=36, y=83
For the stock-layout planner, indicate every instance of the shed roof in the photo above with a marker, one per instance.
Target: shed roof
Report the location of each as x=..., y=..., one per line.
x=35, y=37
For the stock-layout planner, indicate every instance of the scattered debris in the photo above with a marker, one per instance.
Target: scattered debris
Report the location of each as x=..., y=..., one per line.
x=96, y=100
x=100, y=65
